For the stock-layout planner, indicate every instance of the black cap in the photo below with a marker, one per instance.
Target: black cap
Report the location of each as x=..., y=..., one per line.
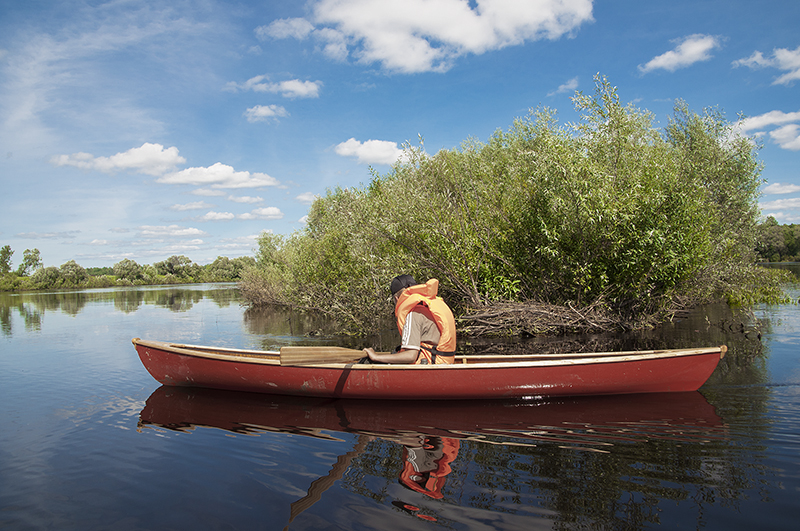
x=402, y=281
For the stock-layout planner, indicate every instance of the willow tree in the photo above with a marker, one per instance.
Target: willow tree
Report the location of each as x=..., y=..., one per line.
x=608, y=212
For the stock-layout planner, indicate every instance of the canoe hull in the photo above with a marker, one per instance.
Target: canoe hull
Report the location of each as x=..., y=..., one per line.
x=180, y=366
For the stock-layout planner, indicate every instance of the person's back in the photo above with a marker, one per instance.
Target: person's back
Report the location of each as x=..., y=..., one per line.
x=426, y=324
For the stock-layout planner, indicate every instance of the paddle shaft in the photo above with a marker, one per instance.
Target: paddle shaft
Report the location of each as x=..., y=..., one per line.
x=302, y=355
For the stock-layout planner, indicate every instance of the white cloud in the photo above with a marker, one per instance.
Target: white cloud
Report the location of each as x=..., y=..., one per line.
x=779, y=188
x=263, y=213
x=151, y=159
x=782, y=59
x=757, y=60
x=219, y=176
x=299, y=28
x=196, y=205
x=245, y=199
x=690, y=50
x=569, y=86
x=240, y=242
x=307, y=197
x=207, y=192
x=216, y=216
x=291, y=88
x=334, y=43
x=160, y=231
x=782, y=204
x=263, y=113
x=787, y=137
x=48, y=235
x=767, y=119
x=411, y=36
x=371, y=151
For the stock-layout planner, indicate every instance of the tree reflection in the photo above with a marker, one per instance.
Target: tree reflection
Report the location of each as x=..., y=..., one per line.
x=32, y=306
x=603, y=462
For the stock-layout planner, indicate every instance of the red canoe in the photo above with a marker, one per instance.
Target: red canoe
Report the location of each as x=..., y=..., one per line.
x=471, y=377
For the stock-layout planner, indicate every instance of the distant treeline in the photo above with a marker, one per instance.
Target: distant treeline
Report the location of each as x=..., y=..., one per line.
x=32, y=275
x=779, y=243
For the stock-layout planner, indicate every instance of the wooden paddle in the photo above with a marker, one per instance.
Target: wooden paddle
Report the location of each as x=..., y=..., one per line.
x=313, y=355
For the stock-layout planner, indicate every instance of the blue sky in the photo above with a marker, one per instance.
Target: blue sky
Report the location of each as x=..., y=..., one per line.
x=142, y=129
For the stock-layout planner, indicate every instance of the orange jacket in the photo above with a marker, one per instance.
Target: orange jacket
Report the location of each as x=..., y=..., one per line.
x=430, y=482
x=426, y=294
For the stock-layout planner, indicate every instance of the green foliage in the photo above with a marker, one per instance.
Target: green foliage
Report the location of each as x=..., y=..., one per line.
x=224, y=269
x=778, y=243
x=31, y=261
x=128, y=270
x=174, y=270
x=610, y=211
x=100, y=271
x=5, y=259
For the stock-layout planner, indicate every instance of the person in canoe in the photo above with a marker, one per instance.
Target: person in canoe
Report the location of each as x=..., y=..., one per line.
x=425, y=322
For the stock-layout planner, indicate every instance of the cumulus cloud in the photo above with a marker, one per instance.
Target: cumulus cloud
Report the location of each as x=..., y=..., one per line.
x=371, y=151
x=780, y=188
x=761, y=121
x=263, y=213
x=219, y=176
x=307, y=197
x=151, y=159
x=689, y=50
x=292, y=88
x=216, y=216
x=299, y=28
x=569, y=86
x=161, y=231
x=782, y=59
x=240, y=242
x=196, y=205
x=782, y=204
x=245, y=199
x=787, y=136
x=265, y=113
x=411, y=36
x=207, y=192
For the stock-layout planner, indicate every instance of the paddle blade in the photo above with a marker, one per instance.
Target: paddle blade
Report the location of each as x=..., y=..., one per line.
x=313, y=355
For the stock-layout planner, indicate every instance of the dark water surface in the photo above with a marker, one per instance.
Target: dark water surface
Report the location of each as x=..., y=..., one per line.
x=88, y=440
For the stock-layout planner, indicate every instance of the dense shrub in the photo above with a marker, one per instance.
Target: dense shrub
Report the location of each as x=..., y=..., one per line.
x=610, y=211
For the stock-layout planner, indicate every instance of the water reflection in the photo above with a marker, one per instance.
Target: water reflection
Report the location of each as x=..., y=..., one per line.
x=32, y=306
x=577, y=457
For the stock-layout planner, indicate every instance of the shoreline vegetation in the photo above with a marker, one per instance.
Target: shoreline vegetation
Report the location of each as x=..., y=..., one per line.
x=607, y=224
x=32, y=276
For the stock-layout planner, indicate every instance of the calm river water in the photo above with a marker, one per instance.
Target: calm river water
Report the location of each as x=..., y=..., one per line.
x=88, y=440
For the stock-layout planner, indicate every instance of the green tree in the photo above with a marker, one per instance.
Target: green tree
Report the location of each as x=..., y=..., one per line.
x=179, y=266
x=610, y=212
x=5, y=259
x=47, y=278
x=128, y=270
x=72, y=274
x=31, y=261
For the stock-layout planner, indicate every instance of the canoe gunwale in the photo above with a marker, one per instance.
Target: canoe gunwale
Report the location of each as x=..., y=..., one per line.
x=269, y=357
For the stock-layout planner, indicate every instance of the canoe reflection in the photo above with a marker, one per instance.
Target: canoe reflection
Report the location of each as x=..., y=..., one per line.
x=595, y=422
x=433, y=433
